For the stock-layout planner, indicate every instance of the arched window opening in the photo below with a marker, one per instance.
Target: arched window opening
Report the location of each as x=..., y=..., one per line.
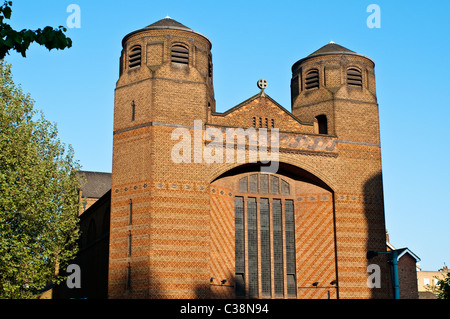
x=322, y=124
x=180, y=54
x=312, y=79
x=134, y=59
x=354, y=77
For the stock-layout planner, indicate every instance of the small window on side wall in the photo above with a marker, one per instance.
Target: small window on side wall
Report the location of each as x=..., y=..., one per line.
x=322, y=124
x=134, y=59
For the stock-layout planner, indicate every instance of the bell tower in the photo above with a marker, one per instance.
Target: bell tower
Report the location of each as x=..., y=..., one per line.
x=165, y=76
x=334, y=88
x=165, y=81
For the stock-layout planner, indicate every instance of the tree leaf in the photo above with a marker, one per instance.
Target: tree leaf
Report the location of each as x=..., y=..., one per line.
x=39, y=195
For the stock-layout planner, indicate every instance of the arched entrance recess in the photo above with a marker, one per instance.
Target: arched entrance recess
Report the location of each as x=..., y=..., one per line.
x=272, y=235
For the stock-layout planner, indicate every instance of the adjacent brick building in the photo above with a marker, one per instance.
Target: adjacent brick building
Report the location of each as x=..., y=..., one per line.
x=407, y=271
x=185, y=225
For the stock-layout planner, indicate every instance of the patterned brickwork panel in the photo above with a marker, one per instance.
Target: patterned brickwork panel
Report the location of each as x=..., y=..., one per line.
x=223, y=242
x=315, y=246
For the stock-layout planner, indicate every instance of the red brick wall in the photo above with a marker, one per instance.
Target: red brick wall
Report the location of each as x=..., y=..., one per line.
x=407, y=277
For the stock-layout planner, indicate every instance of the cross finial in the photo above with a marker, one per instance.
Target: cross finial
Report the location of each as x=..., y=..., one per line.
x=262, y=84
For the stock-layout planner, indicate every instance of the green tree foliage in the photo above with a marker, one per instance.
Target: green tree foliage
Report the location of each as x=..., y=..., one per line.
x=21, y=40
x=38, y=196
x=442, y=288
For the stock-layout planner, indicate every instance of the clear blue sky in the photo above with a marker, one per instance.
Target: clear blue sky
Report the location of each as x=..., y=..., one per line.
x=262, y=39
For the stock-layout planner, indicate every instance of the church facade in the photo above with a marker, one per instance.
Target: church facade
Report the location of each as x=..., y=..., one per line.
x=255, y=202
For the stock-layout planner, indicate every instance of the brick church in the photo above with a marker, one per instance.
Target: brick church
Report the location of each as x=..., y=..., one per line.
x=164, y=227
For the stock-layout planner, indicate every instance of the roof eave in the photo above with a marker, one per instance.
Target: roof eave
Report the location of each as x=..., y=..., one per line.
x=329, y=53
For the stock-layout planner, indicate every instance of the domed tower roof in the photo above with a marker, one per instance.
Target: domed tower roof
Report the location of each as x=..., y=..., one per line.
x=330, y=49
x=166, y=23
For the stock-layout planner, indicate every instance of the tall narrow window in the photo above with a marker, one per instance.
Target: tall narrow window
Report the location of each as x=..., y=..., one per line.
x=180, y=54
x=133, y=111
x=290, y=247
x=130, y=217
x=312, y=79
x=134, y=59
x=121, y=65
x=252, y=231
x=264, y=237
x=278, y=248
x=354, y=77
x=322, y=124
x=239, y=245
x=129, y=243
x=266, y=281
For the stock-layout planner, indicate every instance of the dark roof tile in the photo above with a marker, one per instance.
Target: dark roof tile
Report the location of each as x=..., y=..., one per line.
x=168, y=22
x=95, y=184
x=331, y=48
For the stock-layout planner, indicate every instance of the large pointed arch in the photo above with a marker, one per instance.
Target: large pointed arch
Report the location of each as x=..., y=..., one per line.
x=284, y=168
x=255, y=230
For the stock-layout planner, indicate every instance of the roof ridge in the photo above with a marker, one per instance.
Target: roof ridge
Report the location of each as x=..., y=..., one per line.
x=331, y=47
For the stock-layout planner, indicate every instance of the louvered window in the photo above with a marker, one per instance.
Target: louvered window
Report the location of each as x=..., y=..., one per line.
x=354, y=77
x=134, y=59
x=312, y=79
x=180, y=54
